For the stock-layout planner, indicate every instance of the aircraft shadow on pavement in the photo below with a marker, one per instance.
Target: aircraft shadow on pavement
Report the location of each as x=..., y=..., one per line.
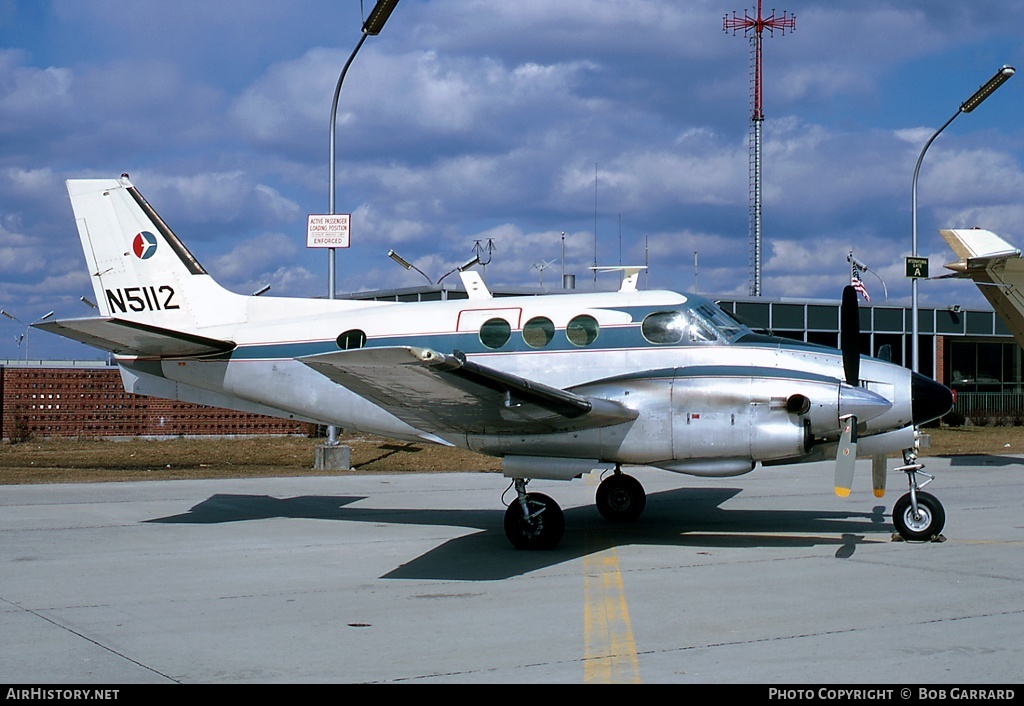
x=985, y=460
x=687, y=517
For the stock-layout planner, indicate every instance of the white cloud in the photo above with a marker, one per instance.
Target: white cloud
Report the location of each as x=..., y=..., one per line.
x=29, y=94
x=218, y=198
x=259, y=254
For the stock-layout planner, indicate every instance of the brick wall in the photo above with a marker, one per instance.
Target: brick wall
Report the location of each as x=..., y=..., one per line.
x=55, y=401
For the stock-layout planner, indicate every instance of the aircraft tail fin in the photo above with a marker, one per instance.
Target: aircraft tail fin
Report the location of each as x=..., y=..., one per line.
x=996, y=267
x=140, y=271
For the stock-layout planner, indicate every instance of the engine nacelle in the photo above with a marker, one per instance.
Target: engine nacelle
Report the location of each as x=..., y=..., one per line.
x=714, y=421
x=743, y=417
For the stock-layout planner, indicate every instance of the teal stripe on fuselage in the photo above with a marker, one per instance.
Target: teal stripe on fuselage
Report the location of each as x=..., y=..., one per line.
x=724, y=371
x=609, y=338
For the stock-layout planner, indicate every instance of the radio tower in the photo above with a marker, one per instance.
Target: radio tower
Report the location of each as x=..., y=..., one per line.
x=754, y=27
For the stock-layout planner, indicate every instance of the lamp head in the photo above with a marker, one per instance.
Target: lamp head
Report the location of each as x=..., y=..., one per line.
x=1001, y=76
x=399, y=259
x=378, y=16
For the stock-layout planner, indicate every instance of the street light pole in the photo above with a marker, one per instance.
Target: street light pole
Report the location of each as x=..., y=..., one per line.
x=24, y=336
x=1001, y=76
x=373, y=25
x=28, y=328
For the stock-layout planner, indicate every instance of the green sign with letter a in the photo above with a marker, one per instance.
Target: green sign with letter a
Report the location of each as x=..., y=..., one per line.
x=917, y=267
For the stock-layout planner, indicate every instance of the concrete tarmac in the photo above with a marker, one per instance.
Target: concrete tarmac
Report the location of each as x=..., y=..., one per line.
x=762, y=579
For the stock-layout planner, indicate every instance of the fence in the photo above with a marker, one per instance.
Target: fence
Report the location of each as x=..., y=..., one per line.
x=91, y=402
x=988, y=408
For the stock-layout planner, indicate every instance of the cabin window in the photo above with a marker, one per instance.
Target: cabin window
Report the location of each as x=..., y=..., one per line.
x=495, y=333
x=669, y=327
x=352, y=339
x=582, y=330
x=664, y=327
x=538, y=332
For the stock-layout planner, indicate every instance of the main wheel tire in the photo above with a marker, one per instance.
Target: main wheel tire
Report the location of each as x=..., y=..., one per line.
x=930, y=521
x=543, y=532
x=621, y=498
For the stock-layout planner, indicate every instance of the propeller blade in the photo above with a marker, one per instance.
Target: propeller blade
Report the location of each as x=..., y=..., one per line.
x=878, y=472
x=846, y=458
x=849, y=341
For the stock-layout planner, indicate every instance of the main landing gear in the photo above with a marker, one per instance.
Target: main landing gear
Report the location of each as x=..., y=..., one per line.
x=535, y=521
x=917, y=516
x=621, y=498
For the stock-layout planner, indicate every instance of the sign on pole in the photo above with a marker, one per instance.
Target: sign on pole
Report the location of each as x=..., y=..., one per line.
x=917, y=267
x=328, y=231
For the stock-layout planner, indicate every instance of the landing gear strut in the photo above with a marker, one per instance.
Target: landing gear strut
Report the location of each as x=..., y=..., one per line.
x=917, y=516
x=533, y=520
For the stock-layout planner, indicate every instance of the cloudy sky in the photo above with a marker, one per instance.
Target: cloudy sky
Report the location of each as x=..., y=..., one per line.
x=622, y=123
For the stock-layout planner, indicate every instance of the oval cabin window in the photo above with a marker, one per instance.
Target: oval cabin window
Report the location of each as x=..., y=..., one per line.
x=538, y=332
x=351, y=339
x=582, y=330
x=495, y=333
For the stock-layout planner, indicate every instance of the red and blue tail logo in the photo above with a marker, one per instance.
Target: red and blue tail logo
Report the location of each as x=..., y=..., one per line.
x=144, y=245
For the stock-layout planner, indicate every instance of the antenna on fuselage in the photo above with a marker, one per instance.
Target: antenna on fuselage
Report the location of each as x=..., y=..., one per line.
x=630, y=275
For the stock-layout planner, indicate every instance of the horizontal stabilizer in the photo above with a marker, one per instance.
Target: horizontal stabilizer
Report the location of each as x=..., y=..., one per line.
x=996, y=267
x=442, y=393
x=133, y=338
x=977, y=249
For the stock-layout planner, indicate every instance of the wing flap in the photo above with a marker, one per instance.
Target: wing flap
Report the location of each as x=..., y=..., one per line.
x=133, y=338
x=446, y=393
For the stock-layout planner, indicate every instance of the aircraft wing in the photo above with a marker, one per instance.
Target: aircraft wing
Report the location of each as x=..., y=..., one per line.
x=133, y=338
x=442, y=393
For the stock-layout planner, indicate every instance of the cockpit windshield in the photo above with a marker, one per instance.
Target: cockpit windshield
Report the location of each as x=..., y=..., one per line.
x=726, y=327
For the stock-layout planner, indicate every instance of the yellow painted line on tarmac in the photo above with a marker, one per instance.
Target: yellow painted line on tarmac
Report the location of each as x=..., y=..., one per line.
x=610, y=653
x=609, y=648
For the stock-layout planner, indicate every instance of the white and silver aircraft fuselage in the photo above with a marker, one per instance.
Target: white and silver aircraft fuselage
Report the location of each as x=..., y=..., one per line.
x=555, y=385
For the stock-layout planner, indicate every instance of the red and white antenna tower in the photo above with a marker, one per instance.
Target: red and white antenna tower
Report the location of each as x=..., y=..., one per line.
x=754, y=27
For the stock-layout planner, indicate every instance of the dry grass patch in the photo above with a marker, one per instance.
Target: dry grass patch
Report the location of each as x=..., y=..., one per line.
x=78, y=461
x=68, y=460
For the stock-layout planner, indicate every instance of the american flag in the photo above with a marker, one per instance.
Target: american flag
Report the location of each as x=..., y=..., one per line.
x=857, y=283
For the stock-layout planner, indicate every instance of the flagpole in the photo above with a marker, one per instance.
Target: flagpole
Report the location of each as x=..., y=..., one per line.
x=856, y=267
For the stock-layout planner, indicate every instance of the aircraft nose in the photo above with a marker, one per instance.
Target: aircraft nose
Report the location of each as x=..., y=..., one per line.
x=930, y=400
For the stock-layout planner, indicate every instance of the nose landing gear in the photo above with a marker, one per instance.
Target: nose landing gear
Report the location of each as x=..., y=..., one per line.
x=917, y=516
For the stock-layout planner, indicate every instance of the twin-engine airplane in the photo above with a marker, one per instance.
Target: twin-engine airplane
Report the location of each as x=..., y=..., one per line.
x=557, y=386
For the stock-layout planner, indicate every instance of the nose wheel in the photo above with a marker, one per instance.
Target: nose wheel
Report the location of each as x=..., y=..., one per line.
x=917, y=516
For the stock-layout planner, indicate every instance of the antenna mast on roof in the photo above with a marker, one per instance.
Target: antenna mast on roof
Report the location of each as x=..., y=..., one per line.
x=754, y=27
